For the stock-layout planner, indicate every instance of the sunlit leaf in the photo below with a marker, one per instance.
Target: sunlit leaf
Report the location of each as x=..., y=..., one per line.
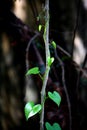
x=40, y=27
x=50, y=60
x=34, y=110
x=31, y=109
x=53, y=44
x=34, y=70
x=28, y=108
x=55, y=96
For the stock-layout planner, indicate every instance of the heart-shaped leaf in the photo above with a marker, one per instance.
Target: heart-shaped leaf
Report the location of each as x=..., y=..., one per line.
x=34, y=70
x=55, y=126
x=50, y=60
x=48, y=126
x=28, y=108
x=31, y=109
x=55, y=96
x=53, y=44
x=34, y=110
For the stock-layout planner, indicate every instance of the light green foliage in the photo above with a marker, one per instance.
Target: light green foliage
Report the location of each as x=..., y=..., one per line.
x=31, y=109
x=50, y=60
x=53, y=44
x=39, y=28
x=34, y=70
x=55, y=96
x=28, y=108
x=55, y=126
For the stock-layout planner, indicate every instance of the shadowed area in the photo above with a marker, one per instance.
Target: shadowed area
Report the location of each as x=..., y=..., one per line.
x=19, y=21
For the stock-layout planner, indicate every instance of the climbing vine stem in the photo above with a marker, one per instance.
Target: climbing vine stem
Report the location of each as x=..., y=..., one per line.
x=46, y=41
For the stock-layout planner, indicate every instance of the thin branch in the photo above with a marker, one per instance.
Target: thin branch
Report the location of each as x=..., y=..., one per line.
x=65, y=89
x=27, y=49
x=43, y=95
x=79, y=68
x=64, y=51
x=34, y=10
x=80, y=73
x=46, y=40
x=76, y=26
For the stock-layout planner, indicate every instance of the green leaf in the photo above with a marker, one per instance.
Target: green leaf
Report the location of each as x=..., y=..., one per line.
x=34, y=110
x=34, y=70
x=28, y=108
x=53, y=44
x=55, y=126
x=48, y=126
x=31, y=109
x=50, y=60
x=40, y=27
x=55, y=96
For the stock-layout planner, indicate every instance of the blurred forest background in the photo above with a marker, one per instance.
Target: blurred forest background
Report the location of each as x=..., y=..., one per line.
x=19, y=21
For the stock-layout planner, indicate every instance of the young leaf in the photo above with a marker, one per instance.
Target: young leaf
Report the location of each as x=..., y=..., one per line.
x=48, y=126
x=50, y=60
x=55, y=96
x=28, y=108
x=53, y=44
x=40, y=27
x=31, y=109
x=34, y=110
x=55, y=126
x=34, y=70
